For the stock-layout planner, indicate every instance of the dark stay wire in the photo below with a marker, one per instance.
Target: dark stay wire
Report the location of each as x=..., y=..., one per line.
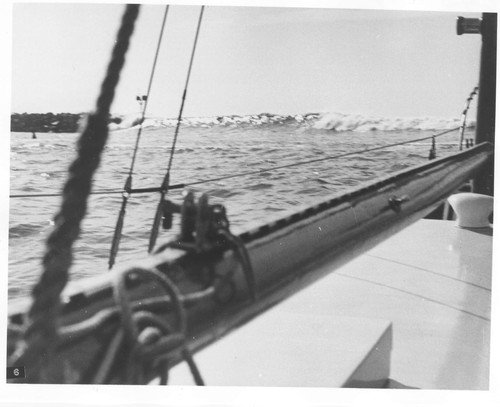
x=166, y=180
x=143, y=115
x=128, y=183
x=181, y=110
x=244, y=174
x=330, y=157
x=464, y=115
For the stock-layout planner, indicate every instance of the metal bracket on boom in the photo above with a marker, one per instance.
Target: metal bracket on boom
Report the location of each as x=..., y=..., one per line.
x=201, y=224
x=204, y=228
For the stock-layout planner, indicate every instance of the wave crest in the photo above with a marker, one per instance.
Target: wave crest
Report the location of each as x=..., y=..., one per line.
x=339, y=122
x=348, y=122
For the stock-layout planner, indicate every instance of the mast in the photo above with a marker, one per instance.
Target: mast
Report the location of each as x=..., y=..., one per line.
x=483, y=183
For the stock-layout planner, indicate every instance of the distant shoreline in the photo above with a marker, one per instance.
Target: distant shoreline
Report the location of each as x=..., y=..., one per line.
x=49, y=122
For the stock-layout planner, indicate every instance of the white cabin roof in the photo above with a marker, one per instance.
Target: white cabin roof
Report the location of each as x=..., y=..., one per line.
x=415, y=309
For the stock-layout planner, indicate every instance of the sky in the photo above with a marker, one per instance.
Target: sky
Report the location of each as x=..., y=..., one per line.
x=249, y=60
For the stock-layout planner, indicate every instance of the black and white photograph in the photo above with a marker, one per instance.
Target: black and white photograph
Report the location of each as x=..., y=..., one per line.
x=249, y=203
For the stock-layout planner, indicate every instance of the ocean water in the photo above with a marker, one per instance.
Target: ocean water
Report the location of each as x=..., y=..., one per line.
x=207, y=148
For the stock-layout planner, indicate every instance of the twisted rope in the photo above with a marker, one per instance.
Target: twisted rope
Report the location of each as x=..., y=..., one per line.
x=40, y=337
x=147, y=339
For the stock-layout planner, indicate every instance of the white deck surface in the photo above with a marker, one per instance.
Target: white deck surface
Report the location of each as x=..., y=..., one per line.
x=432, y=281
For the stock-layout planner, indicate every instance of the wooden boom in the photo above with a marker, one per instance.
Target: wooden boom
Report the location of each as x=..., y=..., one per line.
x=129, y=325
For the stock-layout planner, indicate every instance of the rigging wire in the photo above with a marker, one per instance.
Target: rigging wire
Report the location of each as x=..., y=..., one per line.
x=153, y=69
x=128, y=183
x=244, y=174
x=464, y=115
x=330, y=157
x=166, y=180
x=181, y=110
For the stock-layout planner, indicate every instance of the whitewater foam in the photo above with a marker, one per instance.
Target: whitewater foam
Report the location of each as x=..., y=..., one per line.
x=360, y=123
x=332, y=121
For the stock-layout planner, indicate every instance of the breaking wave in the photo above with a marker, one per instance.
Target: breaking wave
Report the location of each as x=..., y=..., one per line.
x=347, y=122
x=338, y=122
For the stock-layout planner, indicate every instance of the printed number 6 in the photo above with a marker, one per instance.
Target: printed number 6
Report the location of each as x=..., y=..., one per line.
x=16, y=372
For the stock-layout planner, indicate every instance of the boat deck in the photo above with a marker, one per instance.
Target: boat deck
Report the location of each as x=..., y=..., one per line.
x=414, y=312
